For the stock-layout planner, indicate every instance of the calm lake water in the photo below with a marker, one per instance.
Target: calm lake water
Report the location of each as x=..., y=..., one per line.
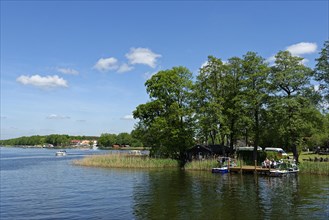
x=35, y=184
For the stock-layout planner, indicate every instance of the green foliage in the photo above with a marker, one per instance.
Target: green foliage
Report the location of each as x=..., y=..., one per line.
x=322, y=70
x=247, y=157
x=166, y=120
x=319, y=168
x=208, y=102
x=105, y=140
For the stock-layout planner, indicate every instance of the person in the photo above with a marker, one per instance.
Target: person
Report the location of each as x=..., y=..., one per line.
x=273, y=165
x=267, y=163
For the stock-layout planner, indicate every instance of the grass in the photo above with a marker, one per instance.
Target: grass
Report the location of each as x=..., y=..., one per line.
x=201, y=164
x=145, y=162
x=305, y=155
x=125, y=161
x=319, y=168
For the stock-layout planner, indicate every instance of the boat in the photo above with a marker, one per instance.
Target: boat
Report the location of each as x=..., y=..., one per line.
x=61, y=153
x=284, y=168
x=224, y=164
x=219, y=169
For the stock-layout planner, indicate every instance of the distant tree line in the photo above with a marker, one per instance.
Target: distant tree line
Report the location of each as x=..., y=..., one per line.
x=108, y=140
x=62, y=140
x=243, y=98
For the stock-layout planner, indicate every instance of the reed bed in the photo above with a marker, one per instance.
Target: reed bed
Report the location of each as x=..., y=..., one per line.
x=125, y=161
x=319, y=168
x=201, y=164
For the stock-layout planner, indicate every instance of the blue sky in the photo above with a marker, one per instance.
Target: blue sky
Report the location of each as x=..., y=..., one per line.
x=79, y=67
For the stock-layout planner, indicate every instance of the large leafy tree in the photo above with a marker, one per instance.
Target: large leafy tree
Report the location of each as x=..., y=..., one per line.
x=233, y=107
x=289, y=80
x=255, y=72
x=322, y=70
x=107, y=140
x=166, y=120
x=208, y=102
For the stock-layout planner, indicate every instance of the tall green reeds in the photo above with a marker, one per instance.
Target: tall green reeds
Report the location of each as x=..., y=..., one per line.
x=125, y=161
x=201, y=164
x=319, y=168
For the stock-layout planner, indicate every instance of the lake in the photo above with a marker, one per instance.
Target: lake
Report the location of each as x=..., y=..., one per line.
x=35, y=184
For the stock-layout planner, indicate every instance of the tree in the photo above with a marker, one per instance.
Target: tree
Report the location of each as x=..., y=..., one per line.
x=124, y=139
x=167, y=117
x=289, y=79
x=233, y=106
x=322, y=70
x=255, y=72
x=208, y=101
x=107, y=140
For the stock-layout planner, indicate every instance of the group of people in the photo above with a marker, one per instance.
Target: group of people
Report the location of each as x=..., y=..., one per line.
x=269, y=163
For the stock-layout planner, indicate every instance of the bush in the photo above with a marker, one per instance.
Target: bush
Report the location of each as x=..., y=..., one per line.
x=247, y=157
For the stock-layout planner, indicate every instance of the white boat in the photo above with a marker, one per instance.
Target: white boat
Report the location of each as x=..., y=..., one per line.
x=283, y=169
x=61, y=153
x=223, y=162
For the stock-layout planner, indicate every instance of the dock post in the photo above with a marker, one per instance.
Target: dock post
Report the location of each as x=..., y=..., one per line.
x=255, y=166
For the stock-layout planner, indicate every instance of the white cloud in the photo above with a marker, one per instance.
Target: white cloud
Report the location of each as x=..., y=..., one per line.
x=125, y=68
x=42, y=81
x=68, y=71
x=302, y=48
x=128, y=117
x=106, y=64
x=142, y=56
x=54, y=116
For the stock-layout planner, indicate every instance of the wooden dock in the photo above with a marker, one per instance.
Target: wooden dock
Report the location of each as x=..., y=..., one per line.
x=249, y=169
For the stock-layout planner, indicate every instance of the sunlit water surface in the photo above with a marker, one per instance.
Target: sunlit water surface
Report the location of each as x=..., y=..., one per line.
x=35, y=184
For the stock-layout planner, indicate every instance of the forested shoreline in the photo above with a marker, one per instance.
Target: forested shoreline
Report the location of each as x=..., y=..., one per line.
x=284, y=104
x=106, y=140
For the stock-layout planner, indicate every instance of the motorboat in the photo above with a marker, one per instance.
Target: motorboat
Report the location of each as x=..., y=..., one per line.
x=219, y=169
x=284, y=168
x=223, y=165
x=61, y=153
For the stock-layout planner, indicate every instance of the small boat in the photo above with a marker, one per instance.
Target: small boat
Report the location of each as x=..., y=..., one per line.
x=224, y=163
x=61, y=153
x=219, y=169
x=284, y=168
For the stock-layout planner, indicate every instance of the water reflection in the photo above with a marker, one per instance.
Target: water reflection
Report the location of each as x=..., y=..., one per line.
x=202, y=195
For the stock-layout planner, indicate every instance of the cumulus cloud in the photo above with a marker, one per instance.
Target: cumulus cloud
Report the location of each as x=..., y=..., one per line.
x=125, y=68
x=54, y=116
x=142, y=56
x=128, y=117
x=302, y=48
x=298, y=50
x=106, y=64
x=68, y=71
x=42, y=81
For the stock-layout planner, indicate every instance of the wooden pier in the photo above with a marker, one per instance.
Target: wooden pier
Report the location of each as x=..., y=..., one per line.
x=249, y=169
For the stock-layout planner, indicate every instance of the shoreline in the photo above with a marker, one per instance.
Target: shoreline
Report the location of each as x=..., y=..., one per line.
x=144, y=162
